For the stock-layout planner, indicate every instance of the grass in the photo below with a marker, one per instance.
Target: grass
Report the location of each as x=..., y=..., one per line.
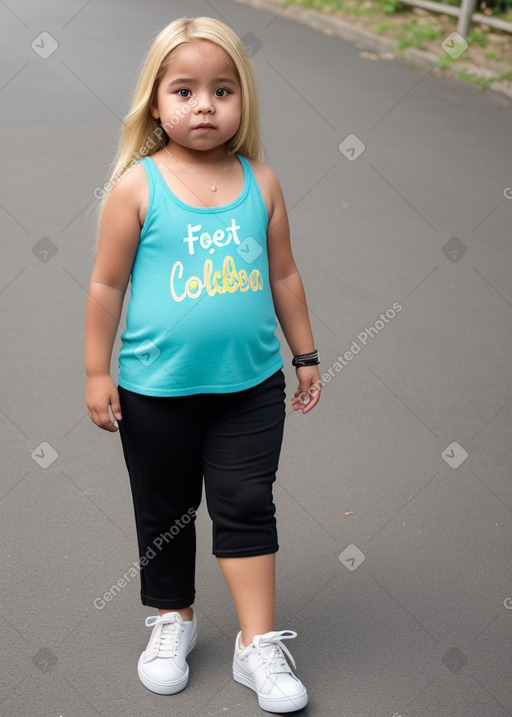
x=477, y=37
x=488, y=49
x=415, y=35
x=478, y=80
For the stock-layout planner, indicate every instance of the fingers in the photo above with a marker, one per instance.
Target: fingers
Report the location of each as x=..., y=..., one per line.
x=99, y=411
x=115, y=405
x=102, y=419
x=306, y=396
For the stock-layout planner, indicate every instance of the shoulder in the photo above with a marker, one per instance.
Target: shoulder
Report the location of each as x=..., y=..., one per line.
x=129, y=182
x=268, y=184
x=265, y=176
x=131, y=190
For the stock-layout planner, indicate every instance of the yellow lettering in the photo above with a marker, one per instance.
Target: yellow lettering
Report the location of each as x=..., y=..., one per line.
x=193, y=284
x=208, y=267
x=216, y=287
x=229, y=275
x=215, y=282
x=255, y=280
x=242, y=280
x=180, y=274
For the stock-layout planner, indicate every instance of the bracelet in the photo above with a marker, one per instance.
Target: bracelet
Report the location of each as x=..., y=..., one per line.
x=311, y=359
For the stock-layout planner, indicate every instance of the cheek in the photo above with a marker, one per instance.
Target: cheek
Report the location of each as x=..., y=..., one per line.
x=237, y=111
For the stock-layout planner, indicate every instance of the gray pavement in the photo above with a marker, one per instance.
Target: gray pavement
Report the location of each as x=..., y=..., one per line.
x=394, y=496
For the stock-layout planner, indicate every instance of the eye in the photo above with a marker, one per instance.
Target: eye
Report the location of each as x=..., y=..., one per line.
x=183, y=89
x=222, y=89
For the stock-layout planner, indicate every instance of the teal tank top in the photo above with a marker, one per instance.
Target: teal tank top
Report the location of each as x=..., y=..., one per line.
x=200, y=317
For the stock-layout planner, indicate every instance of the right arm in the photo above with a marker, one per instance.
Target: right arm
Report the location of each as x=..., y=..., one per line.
x=118, y=238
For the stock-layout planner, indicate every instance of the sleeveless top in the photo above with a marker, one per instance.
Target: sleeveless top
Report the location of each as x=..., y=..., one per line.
x=200, y=318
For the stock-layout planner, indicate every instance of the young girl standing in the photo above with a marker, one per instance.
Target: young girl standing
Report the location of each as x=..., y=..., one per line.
x=199, y=225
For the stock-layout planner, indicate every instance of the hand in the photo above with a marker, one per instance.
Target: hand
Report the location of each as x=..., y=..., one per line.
x=100, y=394
x=308, y=393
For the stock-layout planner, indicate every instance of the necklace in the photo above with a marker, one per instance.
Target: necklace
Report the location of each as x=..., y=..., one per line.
x=213, y=186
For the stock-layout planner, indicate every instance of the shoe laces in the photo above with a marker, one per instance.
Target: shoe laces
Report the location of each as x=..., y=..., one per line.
x=166, y=640
x=273, y=652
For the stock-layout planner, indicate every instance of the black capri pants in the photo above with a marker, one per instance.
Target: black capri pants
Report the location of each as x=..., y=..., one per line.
x=234, y=441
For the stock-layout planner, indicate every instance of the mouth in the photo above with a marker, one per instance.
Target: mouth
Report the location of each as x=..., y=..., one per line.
x=205, y=125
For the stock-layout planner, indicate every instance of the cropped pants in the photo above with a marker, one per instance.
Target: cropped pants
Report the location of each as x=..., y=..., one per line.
x=233, y=441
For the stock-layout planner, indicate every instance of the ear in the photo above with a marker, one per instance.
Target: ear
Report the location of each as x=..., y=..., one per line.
x=153, y=106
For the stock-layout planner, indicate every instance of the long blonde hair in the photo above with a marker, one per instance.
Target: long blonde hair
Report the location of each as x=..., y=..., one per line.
x=143, y=135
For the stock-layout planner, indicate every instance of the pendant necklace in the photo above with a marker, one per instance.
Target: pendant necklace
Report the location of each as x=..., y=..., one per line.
x=213, y=186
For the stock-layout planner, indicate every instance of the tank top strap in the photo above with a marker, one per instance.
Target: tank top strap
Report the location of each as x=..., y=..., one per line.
x=160, y=191
x=156, y=181
x=252, y=184
x=151, y=174
x=155, y=185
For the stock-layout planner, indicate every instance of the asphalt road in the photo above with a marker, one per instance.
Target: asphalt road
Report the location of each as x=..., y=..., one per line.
x=394, y=496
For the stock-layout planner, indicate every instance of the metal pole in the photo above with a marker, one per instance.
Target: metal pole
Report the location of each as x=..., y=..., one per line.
x=464, y=23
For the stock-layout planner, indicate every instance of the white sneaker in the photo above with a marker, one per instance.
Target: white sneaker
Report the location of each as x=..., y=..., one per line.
x=162, y=666
x=263, y=667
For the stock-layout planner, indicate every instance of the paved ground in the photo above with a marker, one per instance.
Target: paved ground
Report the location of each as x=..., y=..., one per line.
x=394, y=496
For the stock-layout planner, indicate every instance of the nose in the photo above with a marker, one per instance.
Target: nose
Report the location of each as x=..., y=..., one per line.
x=204, y=104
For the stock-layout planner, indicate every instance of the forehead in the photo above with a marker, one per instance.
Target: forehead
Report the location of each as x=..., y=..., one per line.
x=202, y=55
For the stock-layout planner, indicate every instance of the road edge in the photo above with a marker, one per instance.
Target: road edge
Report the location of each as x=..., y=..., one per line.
x=369, y=41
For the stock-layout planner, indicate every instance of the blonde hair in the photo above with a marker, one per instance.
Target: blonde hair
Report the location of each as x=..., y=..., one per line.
x=143, y=135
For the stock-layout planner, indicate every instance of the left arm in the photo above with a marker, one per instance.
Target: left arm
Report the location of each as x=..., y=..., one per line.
x=290, y=298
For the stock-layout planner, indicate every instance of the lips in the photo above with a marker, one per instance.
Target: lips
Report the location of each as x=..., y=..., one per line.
x=205, y=125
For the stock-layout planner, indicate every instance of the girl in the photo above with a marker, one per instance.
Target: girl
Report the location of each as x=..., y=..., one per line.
x=199, y=225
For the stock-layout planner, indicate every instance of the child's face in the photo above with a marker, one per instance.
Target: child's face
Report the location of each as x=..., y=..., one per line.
x=200, y=86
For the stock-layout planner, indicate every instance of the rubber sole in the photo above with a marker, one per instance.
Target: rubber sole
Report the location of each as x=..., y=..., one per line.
x=165, y=688
x=278, y=706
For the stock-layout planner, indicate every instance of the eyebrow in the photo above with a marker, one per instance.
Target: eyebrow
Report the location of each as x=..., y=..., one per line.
x=191, y=80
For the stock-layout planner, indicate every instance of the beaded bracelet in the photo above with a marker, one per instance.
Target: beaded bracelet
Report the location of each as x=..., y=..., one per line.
x=311, y=359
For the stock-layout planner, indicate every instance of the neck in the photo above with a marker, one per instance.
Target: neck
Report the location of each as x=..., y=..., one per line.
x=197, y=156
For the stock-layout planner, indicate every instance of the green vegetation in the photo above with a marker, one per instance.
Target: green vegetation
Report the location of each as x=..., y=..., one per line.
x=489, y=49
x=414, y=35
x=483, y=82
x=477, y=37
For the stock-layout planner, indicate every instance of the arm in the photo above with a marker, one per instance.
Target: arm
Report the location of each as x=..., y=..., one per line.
x=118, y=238
x=290, y=299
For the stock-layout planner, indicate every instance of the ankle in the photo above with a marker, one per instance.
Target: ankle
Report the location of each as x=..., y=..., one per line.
x=246, y=638
x=248, y=635
x=187, y=613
